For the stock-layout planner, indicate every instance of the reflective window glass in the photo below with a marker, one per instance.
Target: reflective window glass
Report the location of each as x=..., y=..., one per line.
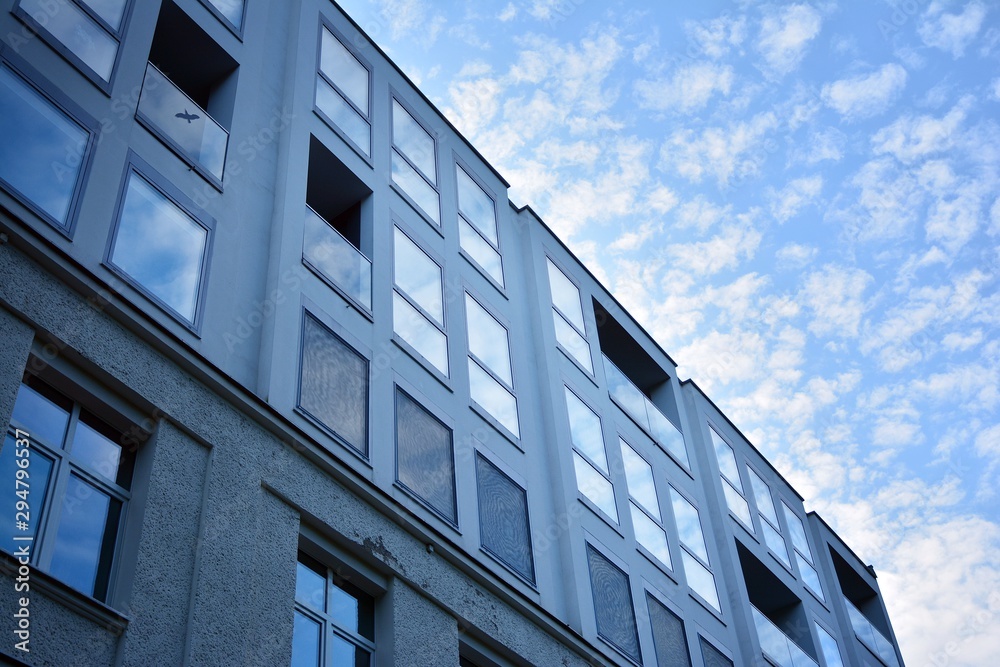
x=232, y=10
x=613, y=604
x=413, y=141
x=829, y=648
x=76, y=31
x=310, y=586
x=762, y=494
x=585, y=427
x=343, y=115
x=701, y=580
x=639, y=475
x=411, y=325
x=797, y=531
x=111, y=11
x=305, y=641
x=565, y=296
x=94, y=447
x=737, y=504
x=503, y=518
x=573, y=342
x=488, y=340
x=39, y=470
x=595, y=486
x=477, y=206
x=668, y=635
x=88, y=525
x=414, y=185
x=727, y=460
x=688, y=525
x=418, y=275
x=344, y=69
x=775, y=542
x=425, y=462
x=493, y=396
x=43, y=413
x=650, y=535
x=485, y=255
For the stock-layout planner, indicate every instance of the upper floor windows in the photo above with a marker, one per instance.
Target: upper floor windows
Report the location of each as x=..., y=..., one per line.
x=161, y=247
x=414, y=162
x=418, y=301
x=86, y=32
x=71, y=474
x=43, y=151
x=669, y=640
x=768, y=517
x=590, y=458
x=504, y=530
x=645, y=505
x=803, y=555
x=230, y=10
x=490, y=378
x=694, y=552
x=425, y=457
x=343, y=91
x=612, y=596
x=732, y=487
x=477, y=225
x=567, y=315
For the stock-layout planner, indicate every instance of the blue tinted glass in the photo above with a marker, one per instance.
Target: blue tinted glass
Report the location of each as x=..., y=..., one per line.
x=96, y=450
x=35, y=481
x=231, y=9
x=109, y=10
x=41, y=149
x=79, y=33
x=310, y=587
x=88, y=519
x=305, y=642
x=344, y=653
x=44, y=419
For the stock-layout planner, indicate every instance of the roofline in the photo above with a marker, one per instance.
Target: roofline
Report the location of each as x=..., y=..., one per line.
x=867, y=566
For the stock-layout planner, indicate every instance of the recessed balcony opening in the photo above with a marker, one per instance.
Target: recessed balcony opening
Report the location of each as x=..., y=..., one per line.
x=338, y=230
x=778, y=615
x=859, y=593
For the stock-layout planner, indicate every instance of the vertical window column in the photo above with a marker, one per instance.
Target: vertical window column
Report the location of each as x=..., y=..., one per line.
x=477, y=225
x=768, y=517
x=490, y=377
x=414, y=163
x=694, y=552
x=590, y=458
x=567, y=315
x=418, y=302
x=343, y=91
x=732, y=487
x=803, y=554
x=645, y=506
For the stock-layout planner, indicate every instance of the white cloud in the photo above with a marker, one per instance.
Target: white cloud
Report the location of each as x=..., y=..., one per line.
x=962, y=341
x=508, y=13
x=951, y=33
x=633, y=239
x=736, y=151
x=835, y=294
x=825, y=144
x=716, y=37
x=700, y=213
x=411, y=17
x=795, y=256
x=994, y=228
x=689, y=89
x=723, y=251
x=911, y=138
x=995, y=89
x=865, y=95
x=785, y=34
x=799, y=193
x=952, y=222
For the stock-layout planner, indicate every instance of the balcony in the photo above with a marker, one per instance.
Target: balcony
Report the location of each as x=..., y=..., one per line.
x=638, y=406
x=182, y=124
x=336, y=259
x=777, y=646
x=871, y=637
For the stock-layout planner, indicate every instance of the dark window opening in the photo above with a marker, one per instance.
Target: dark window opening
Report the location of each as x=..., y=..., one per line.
x=339, y=197
x=859, y=593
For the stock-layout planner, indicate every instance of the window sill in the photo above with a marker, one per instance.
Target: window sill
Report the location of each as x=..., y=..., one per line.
x=656, y=562
x=496, y=425
x=572, y=359
x=481, y=271
x=339, y=291
x=340, y=134
x=435, y=512
x=436, y=226
x=520, y=577
x=422, y=361
x=601, y=514
x=708, y=607
x=80, y=603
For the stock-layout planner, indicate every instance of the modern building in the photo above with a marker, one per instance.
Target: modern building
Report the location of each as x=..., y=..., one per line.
x=289, y=381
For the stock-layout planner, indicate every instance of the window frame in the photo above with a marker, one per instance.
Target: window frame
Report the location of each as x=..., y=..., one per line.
x=68, y=55
x=667, y=567
x=233, y=28
x=327, y=24
x=613, y=521
x=655, y=595
x=706, y=563
x=592, y=374
x=592, y=544
x=501, y=285
x=752, y=474
x=724, y=479
x=797, y=553
x=490, y=460
x=476, y=405
x=136, y=165
x=396, y=97
x=65, y=105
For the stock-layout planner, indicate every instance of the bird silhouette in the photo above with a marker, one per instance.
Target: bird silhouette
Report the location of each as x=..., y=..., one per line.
x=187, y=116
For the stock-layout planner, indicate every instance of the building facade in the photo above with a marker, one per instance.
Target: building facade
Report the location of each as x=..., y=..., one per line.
x=288, y=380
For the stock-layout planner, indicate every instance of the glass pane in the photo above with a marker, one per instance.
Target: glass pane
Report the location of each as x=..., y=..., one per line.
x=477, y=206
x=88, y=527
x=305, y=642
x=109, y=10
x=413, y=141
x=334, y=384
x=613, y=604
x=343, y=115
x=668, y=635
x=666, y=433
x=417, y=330
x=414, y=185
x=639, y=475
x=338, y=63
x=649, y=534
x=565, y=295
x=862, y=628
x=762, y=494
x=573, y=342
x=700, y=579
x=885, y=650
x=35, y=480
x=333, y=256
x=418, y=275
x=95, y=447
x=482, y=252
x=77, y=32
x=595, y=486
x=183, y=122
x=737, y=505
x=626, y=394
x=310, y=587
x=727, y=460
x=585, y=427
x=232, y=10
x=810, y=576
x=773, y=641
x=425, y=461
x=488, y=340
x=712, y=656
x=797, y=531
x=41, y=149
x=688, y=525
x=493, y=396
x=160, y=247
x=829, y=648
x=344, y=609
x=503, y=518
x=342, y=652
x=44, y=417
x=775, y=542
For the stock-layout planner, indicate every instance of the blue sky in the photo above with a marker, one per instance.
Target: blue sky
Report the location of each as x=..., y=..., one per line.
x=801, y=202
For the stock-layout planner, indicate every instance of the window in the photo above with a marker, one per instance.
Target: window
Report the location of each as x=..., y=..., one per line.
x=567, y=315
x=333, y=386
x=503, y=518
x=828, y=648
x=668, y=635
x=477, y=225
x=768, y=517
x=189, y=92
x=712, y=656
x=490, y=378
x=42, y=150
x=334, y=620
x=343, y=90
x=86, y=32
x=803, y=555
x=425, y=457
x=418, y=301
x=414, y=162
x=161, y=247
x=613, y=604
x=694, y=552
x=732, y=487
x=230, y=10
x=646, y=520
x=590, y=459
x=76, y=486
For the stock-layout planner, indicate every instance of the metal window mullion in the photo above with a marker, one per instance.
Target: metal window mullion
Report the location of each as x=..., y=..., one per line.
x=569, y=322
x=427, y=316
x=336, y=88
x=418, y=170
x=482, y=364
x=596, y=467
x=104, y=25
x=495, y=246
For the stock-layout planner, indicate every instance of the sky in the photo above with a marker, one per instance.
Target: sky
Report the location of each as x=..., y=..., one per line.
x=801, y=202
